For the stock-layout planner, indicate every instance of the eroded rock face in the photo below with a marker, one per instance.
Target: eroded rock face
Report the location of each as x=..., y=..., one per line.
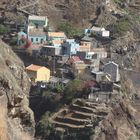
x=14, y=90
x=121, y=124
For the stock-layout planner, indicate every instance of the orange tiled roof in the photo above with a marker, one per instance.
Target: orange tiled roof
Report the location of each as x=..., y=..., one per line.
x=33, y=67
x=56, y=34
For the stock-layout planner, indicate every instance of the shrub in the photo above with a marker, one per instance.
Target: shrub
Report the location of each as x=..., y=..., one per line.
x=121, y=26
x=3, y=29
x=71, y=89
x=69, y=29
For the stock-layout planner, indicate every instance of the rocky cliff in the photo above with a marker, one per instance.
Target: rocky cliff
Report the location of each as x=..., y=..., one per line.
x=17, y=119
x=121, y=124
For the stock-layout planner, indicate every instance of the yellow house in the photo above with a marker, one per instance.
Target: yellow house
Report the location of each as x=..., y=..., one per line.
x=38, y=73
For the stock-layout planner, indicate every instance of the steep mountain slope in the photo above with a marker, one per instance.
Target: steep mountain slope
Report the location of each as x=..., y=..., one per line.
x=17, y=120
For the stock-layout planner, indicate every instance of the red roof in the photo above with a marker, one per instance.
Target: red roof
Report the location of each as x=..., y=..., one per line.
x=33, y=67
x=75, y=58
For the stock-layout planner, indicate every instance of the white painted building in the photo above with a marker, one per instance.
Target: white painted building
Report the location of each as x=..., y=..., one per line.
x=98, y=31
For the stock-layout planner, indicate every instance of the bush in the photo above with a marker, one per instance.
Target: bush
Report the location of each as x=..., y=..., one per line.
x=121, y=26
x=71, y=90
x=4, y=30
x=69, y=29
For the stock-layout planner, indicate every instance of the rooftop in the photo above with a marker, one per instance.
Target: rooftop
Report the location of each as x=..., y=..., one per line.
x=34, y=17
x=37, y=32
x=33, y=67
x=75, y=58
x=97, y=28
x=56, y=34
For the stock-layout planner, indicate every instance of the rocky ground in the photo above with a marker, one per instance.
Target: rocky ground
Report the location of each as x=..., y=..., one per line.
x=17, y=117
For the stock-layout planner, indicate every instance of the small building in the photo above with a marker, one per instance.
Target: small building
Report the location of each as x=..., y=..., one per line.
x=70, y=47
x=56, y=36
x=50, y=51
x=56, y=43
x=98, y=31
x=85, y=46
x=78, y=67
x=112, y=69
x=73, y=59
x=37, y=35
x=99, y=53
x=40, y=21
x=98, y=75
x=85, y=55
x=38, y=73
x=93, y=64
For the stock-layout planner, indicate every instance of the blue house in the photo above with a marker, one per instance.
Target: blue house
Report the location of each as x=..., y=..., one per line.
x=70, y=47
x=37, y=35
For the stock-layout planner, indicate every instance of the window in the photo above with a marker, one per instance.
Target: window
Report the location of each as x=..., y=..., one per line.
x=32, y=39
x=36, y=39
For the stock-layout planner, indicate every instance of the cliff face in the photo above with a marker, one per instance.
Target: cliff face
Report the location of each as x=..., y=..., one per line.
x=121, y=124
x=16, y=117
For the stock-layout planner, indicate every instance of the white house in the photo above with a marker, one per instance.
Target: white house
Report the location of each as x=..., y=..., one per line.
x=98, y=31
x=112, y=69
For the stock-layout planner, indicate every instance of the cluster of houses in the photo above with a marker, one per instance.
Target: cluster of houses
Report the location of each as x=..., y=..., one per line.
x=81, y=56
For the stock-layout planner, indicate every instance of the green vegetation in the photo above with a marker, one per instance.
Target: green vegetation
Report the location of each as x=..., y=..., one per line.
x=4, y=30
x=69, y=29
x=122, y=26
x=71, y=90
x=118, y=1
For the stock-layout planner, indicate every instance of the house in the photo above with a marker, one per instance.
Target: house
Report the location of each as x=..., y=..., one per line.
x=98, y=75
x=92, y=65
x=85, y=46
x=99, y=53
x=39, y=21
x=73, y=59
x=85, y=55
x=38, y=73
x=37, y=35
x=56, y=43
x=98, y=31
x=78, y=67
x=21, y=34
x=50, y=50
x=70, y=47
x=112, y=69
x=56, y=36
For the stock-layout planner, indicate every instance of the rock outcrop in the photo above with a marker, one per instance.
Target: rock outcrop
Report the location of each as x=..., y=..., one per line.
x=16, y=117
x=121, y=124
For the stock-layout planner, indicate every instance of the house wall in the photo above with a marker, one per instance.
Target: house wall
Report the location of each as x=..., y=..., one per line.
x=85, y=46
x=43, y=74
x=37, y=39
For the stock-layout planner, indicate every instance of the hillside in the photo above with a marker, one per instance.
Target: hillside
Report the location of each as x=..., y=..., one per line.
x=17, y=120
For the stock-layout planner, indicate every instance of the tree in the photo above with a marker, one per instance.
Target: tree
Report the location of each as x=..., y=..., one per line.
x=71, y=90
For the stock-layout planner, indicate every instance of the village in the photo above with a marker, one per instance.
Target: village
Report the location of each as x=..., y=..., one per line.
x=63, y=60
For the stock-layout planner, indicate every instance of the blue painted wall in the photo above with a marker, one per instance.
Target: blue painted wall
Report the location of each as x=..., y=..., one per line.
x=70, y=47
x=37, y=39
